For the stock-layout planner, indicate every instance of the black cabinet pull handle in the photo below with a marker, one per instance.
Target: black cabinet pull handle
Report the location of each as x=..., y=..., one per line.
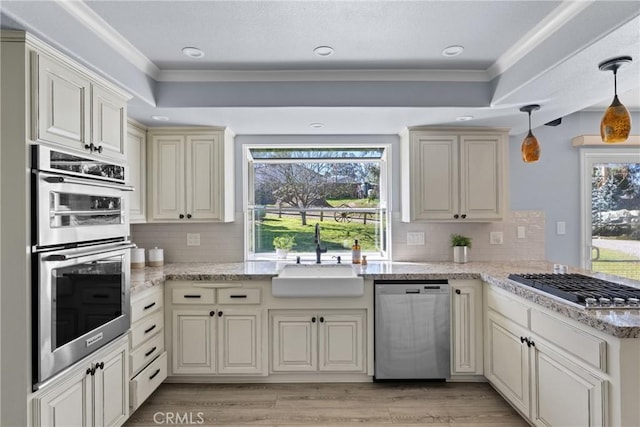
x=188, y=216
x=220, y=313
x=212, y=313
x=193, y=296
x=181, y=216
x=458, y=291
x=147, y=307
x=237, y=296
x=313, y=320
x=148, y=353
x=155, y=374
x=151, y=328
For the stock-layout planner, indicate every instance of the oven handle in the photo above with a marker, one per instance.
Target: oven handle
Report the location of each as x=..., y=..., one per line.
x=63, y=257
x=55, y=179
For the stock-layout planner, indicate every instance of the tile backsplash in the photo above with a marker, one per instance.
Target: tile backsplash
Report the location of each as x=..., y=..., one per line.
x=224, y=242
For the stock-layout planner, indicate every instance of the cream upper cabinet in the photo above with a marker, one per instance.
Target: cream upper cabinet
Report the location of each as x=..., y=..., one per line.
x=466, y=327
x=324, y=340
x=189, y=172
x=137, y=161
x=74, y=110
x=453, y=175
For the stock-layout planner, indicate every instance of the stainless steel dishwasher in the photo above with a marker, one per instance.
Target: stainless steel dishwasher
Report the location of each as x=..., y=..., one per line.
x=412, y=339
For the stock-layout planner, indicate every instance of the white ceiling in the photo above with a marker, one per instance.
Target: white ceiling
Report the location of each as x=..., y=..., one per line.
x=260, y=75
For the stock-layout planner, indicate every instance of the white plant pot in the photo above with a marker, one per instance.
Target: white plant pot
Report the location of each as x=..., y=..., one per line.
x=282, y=253
x=460, y=254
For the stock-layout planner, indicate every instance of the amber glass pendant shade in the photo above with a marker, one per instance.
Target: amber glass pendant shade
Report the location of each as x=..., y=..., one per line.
x=615, y=125
x=530, y=147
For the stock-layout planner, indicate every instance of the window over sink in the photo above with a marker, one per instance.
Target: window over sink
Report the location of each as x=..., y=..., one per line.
x=291, y=188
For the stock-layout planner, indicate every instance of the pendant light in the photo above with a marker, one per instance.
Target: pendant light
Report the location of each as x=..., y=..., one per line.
x=530, y=148
x=616, y=121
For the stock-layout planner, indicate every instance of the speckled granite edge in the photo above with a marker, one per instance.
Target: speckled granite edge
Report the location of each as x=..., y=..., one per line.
x=620, y=324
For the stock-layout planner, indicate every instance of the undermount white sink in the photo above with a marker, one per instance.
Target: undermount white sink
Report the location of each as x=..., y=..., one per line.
x=331, y=280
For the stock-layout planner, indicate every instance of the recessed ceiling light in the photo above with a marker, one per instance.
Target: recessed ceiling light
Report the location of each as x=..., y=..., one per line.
x=317, y=125
x=160, y=118
x=323, y=50
x=453, y=50
x=464, y=118
x=193, y=52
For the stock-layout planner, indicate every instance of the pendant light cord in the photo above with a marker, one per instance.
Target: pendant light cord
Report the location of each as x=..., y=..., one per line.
x=615, y=82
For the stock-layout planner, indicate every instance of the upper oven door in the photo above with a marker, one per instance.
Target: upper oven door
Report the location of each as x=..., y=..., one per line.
x=72, y=210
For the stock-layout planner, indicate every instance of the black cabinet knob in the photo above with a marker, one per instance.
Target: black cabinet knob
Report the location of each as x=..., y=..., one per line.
x=321, y=319
x=313, y=320
x=464, y=216
x=458, y=291
x=99, y=148
x=188, y=216
x=456, y=216
x=181, y=216
x=212, y=313
x=220, y=313
x=522, y=339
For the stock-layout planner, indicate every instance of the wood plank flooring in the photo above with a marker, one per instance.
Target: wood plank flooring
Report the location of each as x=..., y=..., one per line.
x=326, y=404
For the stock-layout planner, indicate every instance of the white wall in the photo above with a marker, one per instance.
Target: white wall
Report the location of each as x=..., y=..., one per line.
x=552, y=184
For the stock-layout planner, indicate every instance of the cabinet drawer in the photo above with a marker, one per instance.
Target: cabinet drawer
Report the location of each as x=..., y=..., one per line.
x=193, y=296
x=239, y=296
x=143, y=384
x=145, y=328
x=145, y=353
x=146, y=305
x=508, y=307
x=578, y=342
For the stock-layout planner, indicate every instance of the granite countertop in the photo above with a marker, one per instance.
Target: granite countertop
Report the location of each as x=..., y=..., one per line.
x=619, y=323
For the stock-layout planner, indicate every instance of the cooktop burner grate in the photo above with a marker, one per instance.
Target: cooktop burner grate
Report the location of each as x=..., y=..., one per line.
x=583, y=290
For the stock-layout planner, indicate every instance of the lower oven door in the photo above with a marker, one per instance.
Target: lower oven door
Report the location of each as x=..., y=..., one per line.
x=81, y=302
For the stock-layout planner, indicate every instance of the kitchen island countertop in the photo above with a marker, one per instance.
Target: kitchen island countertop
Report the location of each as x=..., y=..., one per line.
x=619, y=323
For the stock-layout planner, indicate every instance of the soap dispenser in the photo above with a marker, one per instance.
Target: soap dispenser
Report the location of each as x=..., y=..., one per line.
x=355, y=253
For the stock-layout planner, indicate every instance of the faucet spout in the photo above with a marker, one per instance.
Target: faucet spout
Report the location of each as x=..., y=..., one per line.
x=319, y=250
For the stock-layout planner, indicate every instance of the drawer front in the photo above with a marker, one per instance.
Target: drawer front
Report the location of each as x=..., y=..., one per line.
x=145, y=353
x=239, y=296
x=193, y=296
x=145, y=328
x=508, y=307
x=143, y=384
x=576, y=341
x=146, y=305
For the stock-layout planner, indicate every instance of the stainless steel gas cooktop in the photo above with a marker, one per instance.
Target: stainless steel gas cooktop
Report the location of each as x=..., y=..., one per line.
x=584, y=291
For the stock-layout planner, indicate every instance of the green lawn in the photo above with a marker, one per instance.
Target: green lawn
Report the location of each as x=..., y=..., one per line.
x=335, y=236
x=624, y=269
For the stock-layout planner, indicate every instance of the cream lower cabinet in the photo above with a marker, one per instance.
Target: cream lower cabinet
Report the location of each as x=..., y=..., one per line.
x=189, y=172
x=96, y=394
x=323, y=340
x=466, y=328
x=547, y=382
x=217, y=341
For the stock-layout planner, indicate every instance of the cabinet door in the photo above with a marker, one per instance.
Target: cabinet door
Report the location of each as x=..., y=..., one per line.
x=481, y=176
x=111, y=390
x=554, y=379
x=240, y=341
x=202, y=177
x=294, y=343
x=342, y=344
x=466, y=313
x=67, y=404
x=137, y=161
x=109, y=114
x=434, y=180
x=63, y=105
x=193, y=342
x=167, y=198
x=507, y=360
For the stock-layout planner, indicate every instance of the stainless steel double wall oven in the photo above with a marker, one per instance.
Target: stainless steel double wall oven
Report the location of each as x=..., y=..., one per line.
x=80, y=257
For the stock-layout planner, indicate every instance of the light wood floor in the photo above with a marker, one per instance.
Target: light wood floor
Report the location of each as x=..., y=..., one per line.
x=327, y=404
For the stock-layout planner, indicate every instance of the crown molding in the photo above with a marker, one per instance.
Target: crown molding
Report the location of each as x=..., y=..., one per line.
x=555, y=20
x=90, y=19
x=320, y=75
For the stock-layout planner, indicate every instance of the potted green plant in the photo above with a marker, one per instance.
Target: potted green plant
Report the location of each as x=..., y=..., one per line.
x=461, y=245
x=283, y=245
